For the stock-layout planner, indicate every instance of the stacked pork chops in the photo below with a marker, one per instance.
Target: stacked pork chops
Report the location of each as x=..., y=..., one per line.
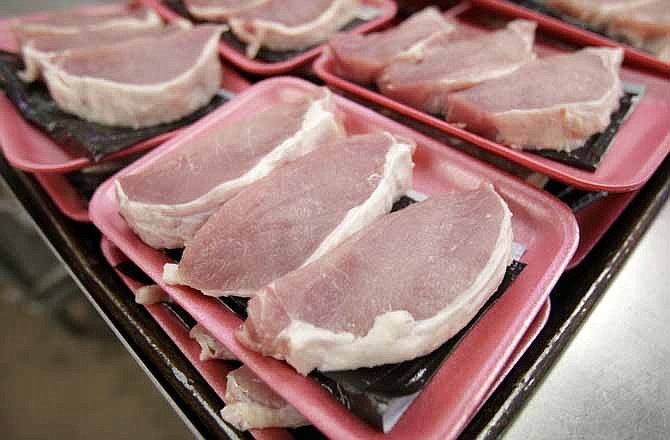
x=491, y=83
x=642, y=23
x=122, y=67
x=285, y=207
x=278, y=24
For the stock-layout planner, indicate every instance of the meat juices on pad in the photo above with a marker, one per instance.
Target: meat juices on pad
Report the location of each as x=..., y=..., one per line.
x=290, y=25
x=520, y=110
x=423, y=76
x=138, y=83
x=251, y=404
x=295, y=214
x=167, y=202
x=396, y=290
x=360, y=58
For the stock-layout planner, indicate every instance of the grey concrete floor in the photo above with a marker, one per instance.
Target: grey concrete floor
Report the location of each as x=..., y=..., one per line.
x=57, y=385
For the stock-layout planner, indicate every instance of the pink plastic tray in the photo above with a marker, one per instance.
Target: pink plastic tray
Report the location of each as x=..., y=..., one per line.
x=27, y=148
x=214, y=372
x=579, y=36
x=595, y=219
x=64, y=195
x=544, y=225
x=388, y=8
x=643, y=140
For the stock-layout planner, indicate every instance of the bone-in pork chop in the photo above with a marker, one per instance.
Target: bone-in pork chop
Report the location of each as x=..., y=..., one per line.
x=361, y=58
x=167, y=202
x=554, y=103
x=141, y=82
x=251, y=404
x=291, y=24
x=396, y=290
x=296, y=214
x=423, y=76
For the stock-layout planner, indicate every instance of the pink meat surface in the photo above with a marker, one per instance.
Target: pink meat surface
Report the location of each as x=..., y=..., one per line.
x=224, y=154
x=220, y=9
x=144, y=61
x=295, y=24
x=394, y=291
x=596, y=12
x=556, y=102
x=361, y=58
x=274, y=225
x=424, y=75
x=642, y=23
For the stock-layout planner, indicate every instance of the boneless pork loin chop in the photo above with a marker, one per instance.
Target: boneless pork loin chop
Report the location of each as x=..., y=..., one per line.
x=41, y=47
x=138, y=83
x=251, y=404
x=296, y=214
x=168, y=201
x=555, y=103
x=69, y=22
x=360, y=58
x=291, y=24
x=219, y=10
x=396, y=290
x=423, y=76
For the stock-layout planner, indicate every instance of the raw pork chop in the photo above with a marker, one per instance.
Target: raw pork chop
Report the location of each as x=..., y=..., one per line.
x=251, y=404
x=296, y=214
x=142, y=82
x=291, y=24
x=644, y=23
x=210, y=348
x=40, y=47
x=361, y=58
x=396, y=290
x=167, y=202
x=551, y=103
x=219, y=10
x=68, y=22
x=596, y=12
x=423, y=76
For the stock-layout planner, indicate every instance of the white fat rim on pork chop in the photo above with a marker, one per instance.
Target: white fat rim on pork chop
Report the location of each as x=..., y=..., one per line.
x=210, y=347
x=151, y=294
x=170, y=226
x=395, y=182
x=120, y=104
x=396, y=336
x=244, y=413
x=278, y=36
x=218, y=12
x=589, y=116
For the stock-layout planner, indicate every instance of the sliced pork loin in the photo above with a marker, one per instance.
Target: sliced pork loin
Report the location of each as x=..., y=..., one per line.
x=69, y=22
x=167, y=202
x=210, y=348
x=251, y=404
x=39, y=48
x=360, y=58
x=644, y=24
x=138, y=83
x=396, y=290
x=597, y=12
x=423, y=76
x=296, y=214
x=220, y=10
x=520, y=110
x=292, y=24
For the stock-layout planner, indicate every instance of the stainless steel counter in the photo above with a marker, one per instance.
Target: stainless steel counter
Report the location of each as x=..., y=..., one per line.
x=613, y=380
